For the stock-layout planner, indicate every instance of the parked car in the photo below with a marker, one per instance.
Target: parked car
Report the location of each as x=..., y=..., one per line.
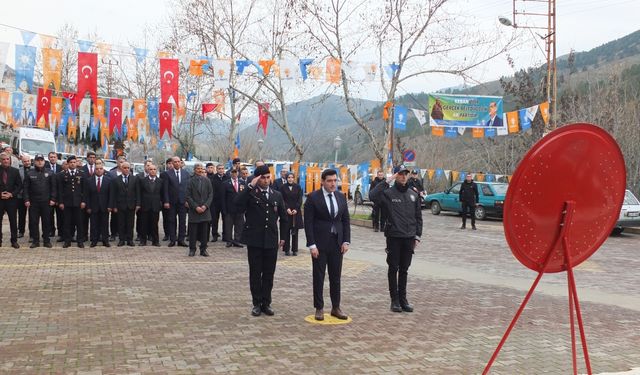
x=491, y=203
x=629, y=214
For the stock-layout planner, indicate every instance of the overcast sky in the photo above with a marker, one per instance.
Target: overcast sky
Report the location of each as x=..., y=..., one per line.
x=582, y=25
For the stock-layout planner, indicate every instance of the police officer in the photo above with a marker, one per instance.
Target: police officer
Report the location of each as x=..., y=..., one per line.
x=468, y=196
x=403, y=231
x=40, y=194
x=263, y=207
x=70, y=188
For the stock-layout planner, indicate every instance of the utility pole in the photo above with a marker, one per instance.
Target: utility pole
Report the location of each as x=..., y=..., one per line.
x=108, y=61
x=550, y=43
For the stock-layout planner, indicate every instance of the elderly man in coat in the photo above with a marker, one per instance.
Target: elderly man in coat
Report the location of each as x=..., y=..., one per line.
x=199, y=196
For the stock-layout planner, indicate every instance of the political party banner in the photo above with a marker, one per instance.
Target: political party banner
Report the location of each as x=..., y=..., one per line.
x=462, y=111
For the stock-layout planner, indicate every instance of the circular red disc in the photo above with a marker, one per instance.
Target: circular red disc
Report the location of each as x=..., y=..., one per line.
x=580, y=163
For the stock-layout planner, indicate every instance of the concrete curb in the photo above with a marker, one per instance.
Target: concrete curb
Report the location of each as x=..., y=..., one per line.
x=362, y=223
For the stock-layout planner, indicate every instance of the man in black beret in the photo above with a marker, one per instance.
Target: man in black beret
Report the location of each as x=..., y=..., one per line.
x=263, y=208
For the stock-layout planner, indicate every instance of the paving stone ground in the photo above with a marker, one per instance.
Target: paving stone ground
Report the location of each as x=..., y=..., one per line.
x=157, y=311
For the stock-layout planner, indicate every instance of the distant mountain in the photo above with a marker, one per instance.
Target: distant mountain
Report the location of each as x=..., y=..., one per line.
x=314, y=123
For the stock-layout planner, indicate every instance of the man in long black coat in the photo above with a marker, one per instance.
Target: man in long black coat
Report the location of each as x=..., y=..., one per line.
x=10, y=187
x=263, y=208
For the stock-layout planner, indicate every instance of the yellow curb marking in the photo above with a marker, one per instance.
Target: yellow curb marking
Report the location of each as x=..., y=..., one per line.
x=328, y=320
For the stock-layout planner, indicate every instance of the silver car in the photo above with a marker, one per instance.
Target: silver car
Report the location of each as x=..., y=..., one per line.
x=629, y=214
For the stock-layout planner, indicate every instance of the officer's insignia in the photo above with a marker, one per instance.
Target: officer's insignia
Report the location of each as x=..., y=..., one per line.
x=46, y=174
x=413, y=198
x=241, y=187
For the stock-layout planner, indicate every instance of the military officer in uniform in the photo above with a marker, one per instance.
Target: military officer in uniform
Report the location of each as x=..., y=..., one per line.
x=70, y=188
x=263, y=208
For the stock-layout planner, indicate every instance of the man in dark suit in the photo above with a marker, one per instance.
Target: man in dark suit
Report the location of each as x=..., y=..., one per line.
x=88, y=170
x=10, y=187
x=328, y=231
x=282, y=181
x=113, y=173
x=217, y=180
x=235, y=165
x=165, y=211
x=97, y=196
x=175, y=188
x=150, y=206
x=56, y=213
x=263, y=207
x=233, y=218
x=70, y=195
x=494, y=119
x=124, y=202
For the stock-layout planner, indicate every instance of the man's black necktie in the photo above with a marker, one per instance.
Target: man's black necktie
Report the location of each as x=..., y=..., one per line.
x=332, y=211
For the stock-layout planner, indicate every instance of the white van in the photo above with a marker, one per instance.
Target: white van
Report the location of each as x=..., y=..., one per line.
x=32, y=141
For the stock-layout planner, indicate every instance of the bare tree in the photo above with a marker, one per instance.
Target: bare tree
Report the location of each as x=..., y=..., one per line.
x=420, y=36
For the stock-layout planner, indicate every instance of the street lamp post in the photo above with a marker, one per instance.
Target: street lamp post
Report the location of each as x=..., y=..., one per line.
x=337, y=142
x=260, y=144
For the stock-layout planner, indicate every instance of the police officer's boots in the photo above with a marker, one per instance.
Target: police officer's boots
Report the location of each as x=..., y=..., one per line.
x=395, y=303
x=404, y=304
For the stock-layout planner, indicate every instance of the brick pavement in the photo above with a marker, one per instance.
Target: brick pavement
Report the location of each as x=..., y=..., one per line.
x=155, y=310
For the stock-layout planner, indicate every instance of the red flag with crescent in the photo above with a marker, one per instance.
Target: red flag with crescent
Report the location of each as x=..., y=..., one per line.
x=208, y=107
x=115, y=115
x=263, y=117
x=44, y=106
x=88, y=75
x=165, y=113
x=169, y=70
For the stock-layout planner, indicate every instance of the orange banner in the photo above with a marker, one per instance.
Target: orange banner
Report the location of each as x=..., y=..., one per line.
x=219, y=98
x=430, y=173
x=266, y=66
x=477, y=132
x=437, y=131
x=344, y=178
x=333, y=70
x=512, y=122
x=195, y=67
x=5, y=107
x=51, y=67
x=544, y=111
x=56, y=110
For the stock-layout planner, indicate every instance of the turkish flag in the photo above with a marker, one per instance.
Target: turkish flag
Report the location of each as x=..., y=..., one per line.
x=88, y=75
x=208, y=108
x=115, y=115
x=44, y=106
x=263, y=117
x=72, y=99
x=169, y=70
x=165, y=118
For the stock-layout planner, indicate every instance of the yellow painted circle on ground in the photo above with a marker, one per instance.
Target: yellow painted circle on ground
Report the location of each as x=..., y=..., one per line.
x=328, y=320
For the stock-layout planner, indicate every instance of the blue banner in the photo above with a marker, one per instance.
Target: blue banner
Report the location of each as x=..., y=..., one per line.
x=490, y=132
x=525, y=121
x=363, y=174
x=400, y=118
x=152, y=115
x=94, y=130
x=84, y=45
x=462, y=176
x=141, y=54
x=304, y=63
x=25, y=64
x=439, y=173
x=450, y=132
x=302, y=177
x=241, y=65
x=16, y=105
x=464, y=111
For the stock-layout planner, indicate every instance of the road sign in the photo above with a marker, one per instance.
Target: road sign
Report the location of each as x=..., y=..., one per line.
x=409, y=155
